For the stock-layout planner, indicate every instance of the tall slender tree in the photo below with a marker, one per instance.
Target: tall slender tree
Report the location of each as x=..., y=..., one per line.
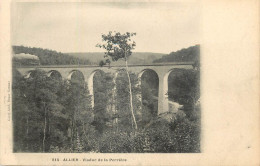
x=119, y=46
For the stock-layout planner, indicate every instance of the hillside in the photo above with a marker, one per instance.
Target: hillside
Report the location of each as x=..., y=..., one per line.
x=190, y=54
x=135, y=58
x=46, y=56
x=51, y=57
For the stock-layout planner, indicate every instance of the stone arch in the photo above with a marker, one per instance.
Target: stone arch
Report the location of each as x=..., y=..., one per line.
x=156, y=96
x=140, y=74
x=55, y=74
x=91, y=86
x=76, y=71
x=168, y=104
x=34, y=72
x=17, y=72
x=28, y=73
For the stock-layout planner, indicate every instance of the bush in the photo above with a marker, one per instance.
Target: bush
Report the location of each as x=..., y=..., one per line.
x=179, y=136
x=116, y=143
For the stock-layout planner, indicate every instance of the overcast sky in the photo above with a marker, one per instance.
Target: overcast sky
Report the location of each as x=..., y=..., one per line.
x=77, y=27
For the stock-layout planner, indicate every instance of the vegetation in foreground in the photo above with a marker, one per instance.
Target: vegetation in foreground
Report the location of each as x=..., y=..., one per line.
x=55, y=115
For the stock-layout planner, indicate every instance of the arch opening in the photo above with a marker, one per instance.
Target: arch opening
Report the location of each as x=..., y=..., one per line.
x=101, y=86
x=76, y=78
x=149, y=81
x=177, y=89
x=123, y=114
x=92, y=80
x=54, y=74
x=76, y=75
x=34, y=73
x=28, y=74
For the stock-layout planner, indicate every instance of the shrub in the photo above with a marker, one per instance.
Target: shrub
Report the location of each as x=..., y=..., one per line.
x=116, y=143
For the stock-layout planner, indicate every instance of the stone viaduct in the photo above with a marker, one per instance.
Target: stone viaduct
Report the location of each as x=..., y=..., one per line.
x=162, y=70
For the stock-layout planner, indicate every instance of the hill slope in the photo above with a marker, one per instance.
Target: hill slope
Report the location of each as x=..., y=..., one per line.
x=190, y=54
x=46, y=56
x=51, y=57
x=135, y=58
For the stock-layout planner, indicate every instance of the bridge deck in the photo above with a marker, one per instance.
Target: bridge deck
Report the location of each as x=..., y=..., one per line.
x=90, y=66
x=161, y=69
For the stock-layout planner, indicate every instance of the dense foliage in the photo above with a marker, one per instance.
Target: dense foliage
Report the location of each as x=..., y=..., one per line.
x=191, y=54
x=55, y=115
x=184, y=88
x=47, y=57
x=49, y=112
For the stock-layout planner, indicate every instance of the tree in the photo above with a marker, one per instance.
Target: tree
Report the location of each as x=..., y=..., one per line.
x=120, y=46
x=101, y=63
x=35, y=110
x=185, y=88
x=77, y=105
x=42, y=92
x=21, y=113
x=108, y=62
x=103, y=94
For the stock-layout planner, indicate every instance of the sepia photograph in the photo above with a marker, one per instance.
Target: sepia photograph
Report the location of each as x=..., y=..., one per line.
x=143, y=82
x=114, y=77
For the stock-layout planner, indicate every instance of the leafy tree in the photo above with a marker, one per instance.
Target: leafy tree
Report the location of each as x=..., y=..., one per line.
x=122, y=98
x=108, y=62
x=120, y=46
x=184, y=88
x=77, y=105
x=35, y=102
x=42, y=91
x=101, y=63
x=103, y=104
x=21, y=113
x=150, y=87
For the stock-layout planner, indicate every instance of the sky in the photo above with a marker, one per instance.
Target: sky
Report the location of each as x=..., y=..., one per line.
x=77, y=27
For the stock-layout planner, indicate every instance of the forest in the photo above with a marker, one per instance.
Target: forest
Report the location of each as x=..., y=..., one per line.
x=190, y=54
x=46, y=57
x=51, y=57
x=55, y=115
